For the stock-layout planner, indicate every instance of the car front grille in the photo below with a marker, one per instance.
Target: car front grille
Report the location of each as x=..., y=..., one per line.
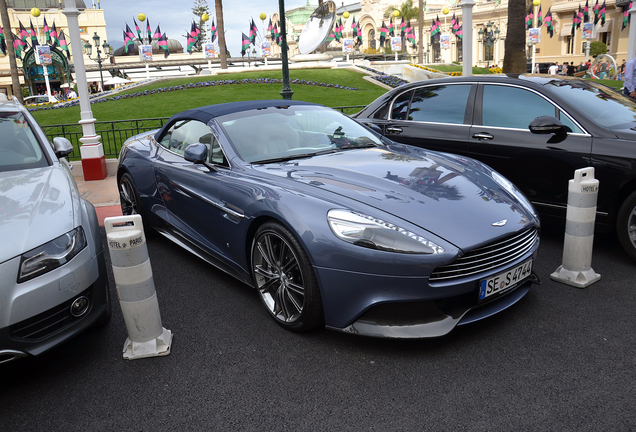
x=48, y=322
x=488, y=257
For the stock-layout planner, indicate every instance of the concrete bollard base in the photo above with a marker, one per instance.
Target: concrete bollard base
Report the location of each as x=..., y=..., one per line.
x=159, y=346
x=575, y=278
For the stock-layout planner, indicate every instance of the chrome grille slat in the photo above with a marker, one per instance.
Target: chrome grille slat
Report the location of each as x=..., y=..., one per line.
x=522, y=247
x=488, y=257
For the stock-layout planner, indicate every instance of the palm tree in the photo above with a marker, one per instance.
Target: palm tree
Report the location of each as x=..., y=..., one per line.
x=221, y=32
x=406, y=9
x=6, y=24
x=407, y=12
x=515, y=58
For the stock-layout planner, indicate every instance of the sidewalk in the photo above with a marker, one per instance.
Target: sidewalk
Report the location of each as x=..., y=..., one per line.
x=102, y=194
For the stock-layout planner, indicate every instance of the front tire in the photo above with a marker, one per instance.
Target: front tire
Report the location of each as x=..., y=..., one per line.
x=285, y=279
x=626, y=225
x=131, y=202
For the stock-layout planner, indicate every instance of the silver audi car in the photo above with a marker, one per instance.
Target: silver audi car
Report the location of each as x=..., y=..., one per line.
x=53, y=281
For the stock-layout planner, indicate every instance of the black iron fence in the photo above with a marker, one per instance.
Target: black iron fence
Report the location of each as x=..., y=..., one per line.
x=115, y=133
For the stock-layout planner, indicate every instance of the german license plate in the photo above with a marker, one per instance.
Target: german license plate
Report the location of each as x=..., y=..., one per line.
x=504, y=281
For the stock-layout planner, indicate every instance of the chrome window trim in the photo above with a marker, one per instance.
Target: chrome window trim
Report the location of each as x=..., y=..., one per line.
x=526, y=130
x=586, y=133
x=412, y=89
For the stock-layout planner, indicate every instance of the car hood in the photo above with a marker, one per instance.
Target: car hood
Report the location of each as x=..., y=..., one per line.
x=453, y=197
x=36, y=206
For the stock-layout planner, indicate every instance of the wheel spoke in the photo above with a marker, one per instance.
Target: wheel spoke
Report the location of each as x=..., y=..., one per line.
x=298, y=305
x=264, y=250
x=279, y=277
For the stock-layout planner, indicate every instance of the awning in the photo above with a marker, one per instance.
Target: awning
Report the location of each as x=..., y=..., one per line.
x=604, y=29
x=566, y=30
x=116, y=80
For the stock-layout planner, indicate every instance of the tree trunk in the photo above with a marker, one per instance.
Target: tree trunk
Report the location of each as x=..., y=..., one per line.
x=6, y=25
x=515, y=58
x=221, y=32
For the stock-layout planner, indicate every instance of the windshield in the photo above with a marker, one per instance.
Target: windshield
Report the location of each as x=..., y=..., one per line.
x=19, y=149
x=287, y=132
x=605, y=106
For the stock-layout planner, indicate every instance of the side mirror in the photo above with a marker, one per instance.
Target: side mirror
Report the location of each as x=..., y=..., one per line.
x=62, y=147
x=546, y=125
x=196, y=153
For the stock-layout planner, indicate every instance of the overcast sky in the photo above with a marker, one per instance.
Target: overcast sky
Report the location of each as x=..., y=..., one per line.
x=175, y=17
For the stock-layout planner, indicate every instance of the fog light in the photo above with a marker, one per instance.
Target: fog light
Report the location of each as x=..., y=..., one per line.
x=79, y=306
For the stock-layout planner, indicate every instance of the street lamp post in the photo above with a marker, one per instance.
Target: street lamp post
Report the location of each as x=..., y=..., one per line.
x=286, y=92
x=89, y=51
x=91, y=150
x=488, y=38
x=396, y=14
x=536, y=4
x=36, y=13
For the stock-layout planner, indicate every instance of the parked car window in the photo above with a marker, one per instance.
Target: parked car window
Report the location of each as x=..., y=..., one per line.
x=513, y=107
x=401, y=106
x=186, y=132
x=216, y=153
x=569, y=124
x=19, y=148
x=290, y=132
x=440, y=104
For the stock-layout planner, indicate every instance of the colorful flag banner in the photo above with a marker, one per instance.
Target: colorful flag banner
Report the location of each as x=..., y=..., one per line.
x=548, y=23
x=162, y=42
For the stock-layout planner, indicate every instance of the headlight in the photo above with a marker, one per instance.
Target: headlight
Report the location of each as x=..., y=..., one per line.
x=370, y=232
x=51, y=255
x=512, y=190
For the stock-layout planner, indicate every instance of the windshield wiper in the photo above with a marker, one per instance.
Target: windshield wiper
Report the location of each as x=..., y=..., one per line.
x=296, y=156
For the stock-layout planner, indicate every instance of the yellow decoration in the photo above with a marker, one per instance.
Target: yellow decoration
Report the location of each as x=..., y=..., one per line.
x=445, y=11
x=205, y=17
x=141, y=17
x=35, y=12
x=345, y=15
x=396, y=13
x=262, y=16
x=536, y=2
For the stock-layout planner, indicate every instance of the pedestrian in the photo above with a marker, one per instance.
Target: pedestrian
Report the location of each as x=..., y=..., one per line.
x=72, y=94
x=571, y=70
x=536, y=68
x=564, y=68
x=553, y=69
x=629, y=89
x=621, y=70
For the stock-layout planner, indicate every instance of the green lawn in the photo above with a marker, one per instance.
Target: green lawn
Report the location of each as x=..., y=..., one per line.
x=169, y=103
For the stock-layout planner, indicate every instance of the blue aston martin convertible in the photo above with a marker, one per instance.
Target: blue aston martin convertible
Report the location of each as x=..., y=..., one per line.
x=333, y=224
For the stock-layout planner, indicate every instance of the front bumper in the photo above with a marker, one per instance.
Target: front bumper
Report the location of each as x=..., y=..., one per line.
x=431, y=318
x=39, y=333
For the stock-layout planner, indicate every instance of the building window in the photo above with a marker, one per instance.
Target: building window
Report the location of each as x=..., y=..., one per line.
x=569, y=40
x=606, y=38
x=371, y=39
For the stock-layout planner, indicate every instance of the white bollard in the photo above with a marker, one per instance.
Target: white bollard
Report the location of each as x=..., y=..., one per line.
x=136, y=288
x=576, y=269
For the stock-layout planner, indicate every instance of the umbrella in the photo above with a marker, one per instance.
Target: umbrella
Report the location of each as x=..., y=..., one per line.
x=65, y=85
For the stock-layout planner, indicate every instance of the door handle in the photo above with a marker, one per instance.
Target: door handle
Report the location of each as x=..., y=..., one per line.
x=393, y=129
x=483, y=136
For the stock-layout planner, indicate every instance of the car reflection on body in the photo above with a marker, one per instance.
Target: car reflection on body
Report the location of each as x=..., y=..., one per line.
x=331, y=223
x=53, y=280
x=535, y=130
